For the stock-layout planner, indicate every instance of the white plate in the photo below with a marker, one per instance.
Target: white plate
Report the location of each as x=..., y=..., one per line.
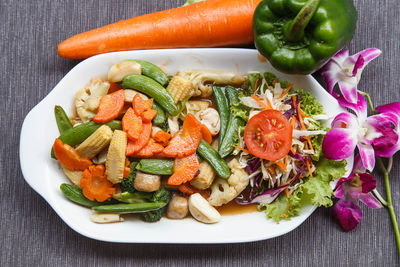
x=45, y=176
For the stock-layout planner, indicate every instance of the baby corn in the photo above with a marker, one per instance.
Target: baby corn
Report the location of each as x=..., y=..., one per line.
x=115, y=162
x=95, y=143
x=179, y=88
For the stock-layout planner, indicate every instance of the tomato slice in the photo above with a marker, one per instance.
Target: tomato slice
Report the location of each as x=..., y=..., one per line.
x=268, y=135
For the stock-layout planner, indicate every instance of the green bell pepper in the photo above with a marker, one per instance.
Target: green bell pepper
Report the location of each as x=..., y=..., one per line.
x=299, y=36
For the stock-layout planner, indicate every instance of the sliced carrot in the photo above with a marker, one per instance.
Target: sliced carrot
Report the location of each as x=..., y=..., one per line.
x=294, y=101
x=243, y=149
x=255, y=86
x=186, y=141
x=148, y=115
x=69, y=157
x=265, y=106
x=286, y=91
x=95, y=185
x=309, y=142
x=140, y=105
x=149, y=150
x=309, y=168
x=132, y=124
x=287, y=211
x=303, y=127
x=214, y=23
x=291, y=150
x=282, y=165
x=110, y=106
x=188, y=189
x=206, y=134
x=293, y=122
x=144, y=137
x=127, y=171
x=184, y=169
x=287, y=192
x=162, y=137
x=114, y=87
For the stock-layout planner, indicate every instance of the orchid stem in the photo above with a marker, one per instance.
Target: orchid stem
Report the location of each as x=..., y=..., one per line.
x=389, y=201
x=386, y=171
x=369, y=101
x=379, y=197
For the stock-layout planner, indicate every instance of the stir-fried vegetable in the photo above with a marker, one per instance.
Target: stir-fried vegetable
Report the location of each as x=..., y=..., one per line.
x=269, y=132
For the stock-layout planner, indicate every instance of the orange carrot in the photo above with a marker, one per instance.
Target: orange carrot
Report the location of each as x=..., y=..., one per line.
x=243, y=149
x=265, y=106
x=149, y=115
x=114, y=87
x=132, y=124
x=212, y=23
x=293, y=122
x=186, y=141
x=110, y=106
x=149, y=150
x=206, y=134
x=308, y=167
x=188, y=189
x=69, y=157
x=140, y=105
x=287, y=192
x=162, y=137
x=95, y=185
x=127, y=171
x=286, y=91
x=144, y=137
x=184, y=170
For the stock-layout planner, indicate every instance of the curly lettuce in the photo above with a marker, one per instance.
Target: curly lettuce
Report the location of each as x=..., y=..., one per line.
x=315, y=191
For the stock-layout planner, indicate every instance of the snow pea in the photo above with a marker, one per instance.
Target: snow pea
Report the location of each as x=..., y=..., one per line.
x=130, y=208
x=156, y=166
x=153, y=89
x=209, y=154
x=62, y=120
x=223, y=109
x=152, y=71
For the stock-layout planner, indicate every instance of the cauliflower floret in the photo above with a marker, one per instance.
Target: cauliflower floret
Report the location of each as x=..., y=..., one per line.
x=87, y=99
x=223, y=191
x=199, y=79
x=210, y=118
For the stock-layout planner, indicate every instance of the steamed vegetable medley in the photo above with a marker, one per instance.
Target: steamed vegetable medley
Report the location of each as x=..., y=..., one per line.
x=144, y=142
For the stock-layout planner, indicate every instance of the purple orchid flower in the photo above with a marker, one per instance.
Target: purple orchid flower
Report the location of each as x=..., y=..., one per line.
x=377, y=135
x=358, y=185
x=346, y=71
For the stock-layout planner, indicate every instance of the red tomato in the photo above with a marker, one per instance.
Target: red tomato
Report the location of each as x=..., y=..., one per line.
x=268, y=135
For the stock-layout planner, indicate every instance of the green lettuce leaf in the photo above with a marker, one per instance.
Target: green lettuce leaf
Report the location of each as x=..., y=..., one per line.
x=315, y=191
x=309, y=104
x=239, y=110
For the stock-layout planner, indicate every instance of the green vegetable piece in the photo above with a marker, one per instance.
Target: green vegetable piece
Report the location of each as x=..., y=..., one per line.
x=136, y=197
x=223, y=109
x=209, y=154
x=130, y=208
x=231, y=135
x=127, y=183
x=153, y=89
x=75, y=194
x=309, y=104
x=156, y=166
x=253, y=80
x=162, y=195
x=62, y=120
x=160, y=118
x=152, y=71
x=78, y=134
x=298, y=37
x=315, y=191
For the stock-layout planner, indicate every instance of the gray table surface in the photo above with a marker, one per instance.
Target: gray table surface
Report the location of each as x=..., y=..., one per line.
x=33, y=235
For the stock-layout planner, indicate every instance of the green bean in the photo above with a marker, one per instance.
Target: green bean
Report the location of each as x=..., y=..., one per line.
x=152, y=71
x=130, y=208
x=75, y=194
x=78, y=134
x=136, y=197
x=153, y=89
x=62, y=120
x=231, y=134
x=223, y=109
x=209, y=154
x=160, y=117
x=156, y=166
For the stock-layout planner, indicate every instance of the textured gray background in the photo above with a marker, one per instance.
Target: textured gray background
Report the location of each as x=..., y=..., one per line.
x=33, y=235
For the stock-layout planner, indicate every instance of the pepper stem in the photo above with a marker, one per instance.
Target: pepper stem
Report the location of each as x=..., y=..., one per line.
x=295, y=29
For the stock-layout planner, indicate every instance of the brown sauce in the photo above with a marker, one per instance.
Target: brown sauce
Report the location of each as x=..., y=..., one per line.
x=232, y=208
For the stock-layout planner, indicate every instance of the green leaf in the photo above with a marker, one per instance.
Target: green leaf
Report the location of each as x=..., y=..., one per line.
x=309, y=104
x=315, y=191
